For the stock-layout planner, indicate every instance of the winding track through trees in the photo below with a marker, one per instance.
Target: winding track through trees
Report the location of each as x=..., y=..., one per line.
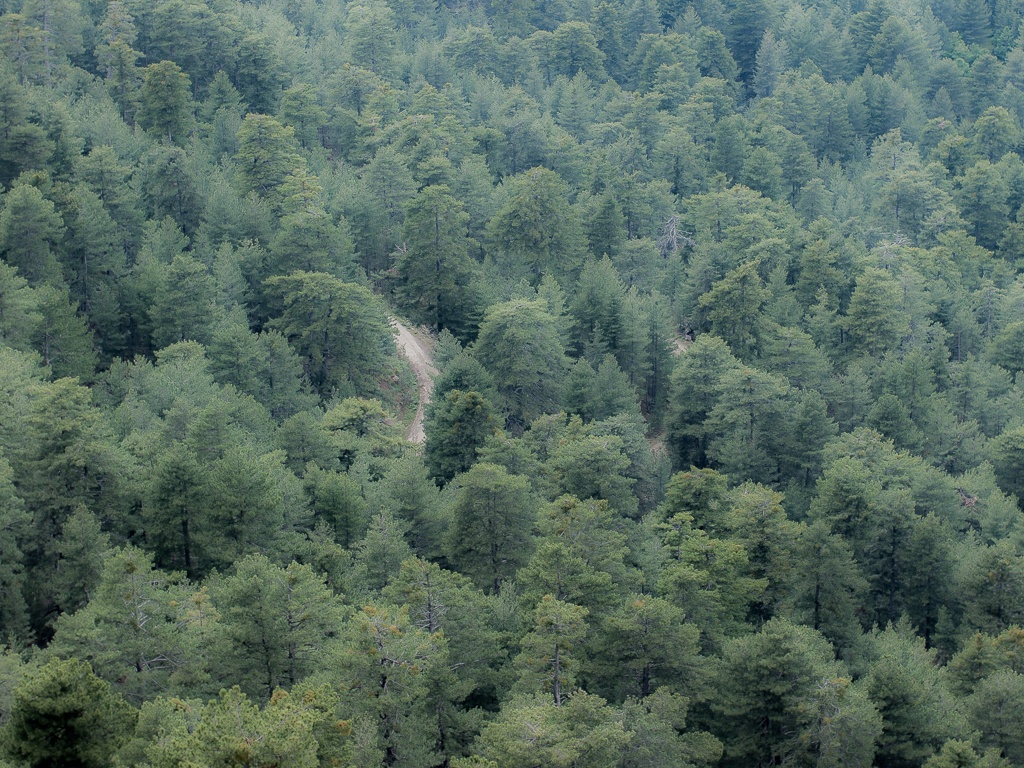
x=422, y=364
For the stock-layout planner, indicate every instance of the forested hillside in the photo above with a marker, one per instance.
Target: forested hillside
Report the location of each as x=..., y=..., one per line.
x=724, y=461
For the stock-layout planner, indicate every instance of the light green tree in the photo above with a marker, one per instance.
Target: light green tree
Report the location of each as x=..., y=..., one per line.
x=275, y=623
x=290, y=731
x=266, y=155
x=694, y=391
x=531, y=730
x=143, y=631
x=30, y=234
x=548, y=659
x=372, y=35
x=875, y=321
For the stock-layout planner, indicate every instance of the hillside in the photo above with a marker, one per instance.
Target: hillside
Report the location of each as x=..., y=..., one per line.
x=220, y=546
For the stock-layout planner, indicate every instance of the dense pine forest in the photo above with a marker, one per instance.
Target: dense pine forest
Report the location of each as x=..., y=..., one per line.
x=724, y=458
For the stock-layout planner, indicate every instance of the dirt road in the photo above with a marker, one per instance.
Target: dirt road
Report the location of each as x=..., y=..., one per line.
x=423, y=366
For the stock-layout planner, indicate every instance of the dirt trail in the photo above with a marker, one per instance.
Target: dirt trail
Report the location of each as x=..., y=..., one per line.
x=423, y=366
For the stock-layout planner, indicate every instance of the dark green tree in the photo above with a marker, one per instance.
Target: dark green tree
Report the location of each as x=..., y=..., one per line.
x=780, y=696
x=694, y=391
x=457, y=429
x=14, y=522
x=435, y=267
x=165, y=102
x=537, y=226
x=1007, y=452
x=490, y=535
x=339, y=329
x=519, y=346
x=64, y=715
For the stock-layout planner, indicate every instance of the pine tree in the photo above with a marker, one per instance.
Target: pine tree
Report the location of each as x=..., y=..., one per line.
x=266, y=155
x=457, y=429
x=547, y=659
x=62, y=337
x=275, y=623
x=165, y=105
x=490, y=538
x=31, y=231
x=435, y=266
x=519, y=346
x=14, y=522
x=64, y=715
x=339, y=328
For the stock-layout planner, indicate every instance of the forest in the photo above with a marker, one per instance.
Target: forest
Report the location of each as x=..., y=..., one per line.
x=724, y=459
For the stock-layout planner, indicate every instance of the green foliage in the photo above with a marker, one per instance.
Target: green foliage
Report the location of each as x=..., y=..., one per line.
x=339, y=329
x=583, y=732
x=458, y=427
x=537, y=226
x=491, y=519
x=274, y=625
x=547, y=659
x=435, y=265
x=13, y=522
x=776, y=247
x=781, y=696
x=30, y=231
x=903, y=671
x=266, y=155
x=165, y=102
x=290, y=730
x=519, y=346
x=694, y=392
x=63, y=714
x=142, y=631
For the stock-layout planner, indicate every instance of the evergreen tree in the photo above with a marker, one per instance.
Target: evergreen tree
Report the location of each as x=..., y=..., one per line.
x=19, y=306
x=30, y=233
x=694, y=391
x=266, y=155
x=547, y=659
x=585, y=732
x=435, y=265
x=536, y=226
x=339, y=328
x=457, y=429
x=165, y=105
x=274, y=624
x=519, y=346
x=62, y=338
x=14, y=521
x=64, y=715
x=775, y=688
x=734, y=308
x=490, y=538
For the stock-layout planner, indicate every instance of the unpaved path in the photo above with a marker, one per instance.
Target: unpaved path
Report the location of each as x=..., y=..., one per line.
x=423, y=366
